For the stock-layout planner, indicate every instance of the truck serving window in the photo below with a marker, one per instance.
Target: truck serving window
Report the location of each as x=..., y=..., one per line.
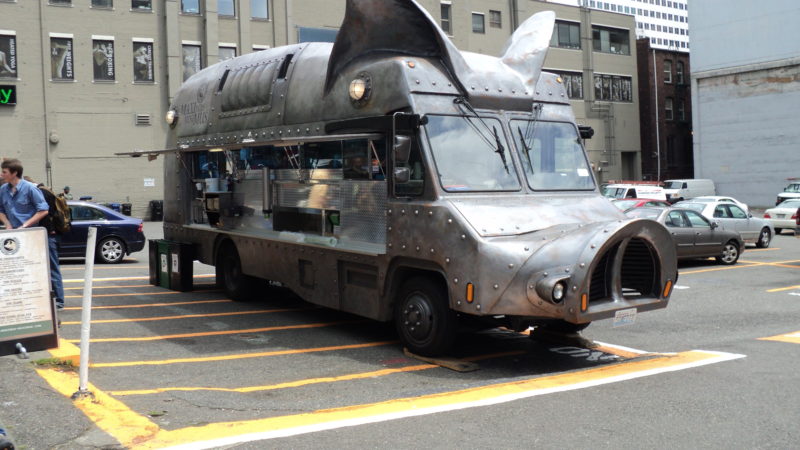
x=469, y=155
x=552, y=155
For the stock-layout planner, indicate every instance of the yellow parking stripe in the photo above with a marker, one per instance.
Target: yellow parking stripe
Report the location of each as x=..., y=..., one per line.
x=134, y=430
x=306, y=382
x=81, y=280
x=792, y=338
x=188, y=316
x=150, y=305
x=789, y=288
x=242, y=356
x=221, y=333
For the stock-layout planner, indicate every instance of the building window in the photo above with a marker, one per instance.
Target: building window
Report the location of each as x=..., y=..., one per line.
x=259, y=9
x=227, y=52
x=143, y=62
x=613, y=88
x=611, y=40
x=103, y=59
x=61, y=2
x=478, y=23
x=573, y=83
x=495, y=19
x=142, y=5
x=192, y=61
x=679, y=72
x=445, y=8
x=107, y=4
x=190, y=6
x=668, y=108
x=566, y=35
x=226, y=8
x=681, y=111
x=61, y=62
x=667, y=71
x=8, y=56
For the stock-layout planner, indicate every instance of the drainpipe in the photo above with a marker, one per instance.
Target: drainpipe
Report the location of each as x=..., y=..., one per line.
x=45, y=55
x=658, y=139
x=513, y=15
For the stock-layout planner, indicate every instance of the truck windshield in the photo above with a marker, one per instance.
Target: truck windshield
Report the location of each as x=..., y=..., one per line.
x=469, y=155
x=552, y=156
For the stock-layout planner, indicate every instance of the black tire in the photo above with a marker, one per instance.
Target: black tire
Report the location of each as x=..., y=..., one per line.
x=778, y=231
x=230, y=278
x=562, y=326
x=730, y=254
x=764, y=238
x=110, y=250
x=423, y=318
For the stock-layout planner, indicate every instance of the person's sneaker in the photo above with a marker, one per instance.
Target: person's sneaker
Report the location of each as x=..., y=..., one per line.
x=59, y=305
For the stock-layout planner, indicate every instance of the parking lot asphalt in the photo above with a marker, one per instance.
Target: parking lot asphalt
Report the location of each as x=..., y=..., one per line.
x=173, y=368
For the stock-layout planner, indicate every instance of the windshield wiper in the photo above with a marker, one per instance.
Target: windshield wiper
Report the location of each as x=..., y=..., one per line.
x=500, y=149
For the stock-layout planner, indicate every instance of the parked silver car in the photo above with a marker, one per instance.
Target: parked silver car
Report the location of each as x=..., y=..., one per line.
x=695, y=236
x=731, y=216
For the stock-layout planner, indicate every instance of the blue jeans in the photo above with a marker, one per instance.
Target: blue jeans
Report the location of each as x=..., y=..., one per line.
x=57, y=284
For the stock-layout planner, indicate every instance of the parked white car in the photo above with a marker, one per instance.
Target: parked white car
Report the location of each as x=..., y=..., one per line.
x=719, y=198
x=731, y=216
x=791, y=191
x=783, y=216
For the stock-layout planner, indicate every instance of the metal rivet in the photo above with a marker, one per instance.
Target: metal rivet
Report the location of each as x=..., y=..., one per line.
x=430, y=213
x=433, y=251
x=510, y=266
x=496, y=286
x=389, y=228
x=403, y=246
x=449, y=220
x=389, y=212
x=571, y=310
x=545, y=274
x=402, y=211
x=527, y=249
x=390, y=245
x=478, y=307
x=592, y=246
x=582, y=265
x=458, y=303
x=417, y=248
x=416, y=212
x=574, y=288
x=463, y=236
x=530, y=287
x=566, y=270
x=455, y=280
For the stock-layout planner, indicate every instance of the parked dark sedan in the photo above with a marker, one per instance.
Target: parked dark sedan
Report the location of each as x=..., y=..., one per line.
x=694, y=235
x=117, y=235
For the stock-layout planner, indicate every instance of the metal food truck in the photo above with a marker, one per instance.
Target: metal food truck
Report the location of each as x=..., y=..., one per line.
x=392, y=176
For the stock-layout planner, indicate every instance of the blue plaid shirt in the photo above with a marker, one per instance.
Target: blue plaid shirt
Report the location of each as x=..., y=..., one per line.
x=23, y=204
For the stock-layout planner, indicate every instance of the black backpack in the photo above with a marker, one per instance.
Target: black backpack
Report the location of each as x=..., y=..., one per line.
x=59, y=215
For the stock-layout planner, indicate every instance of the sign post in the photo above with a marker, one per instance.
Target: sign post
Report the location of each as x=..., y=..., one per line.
x=27, y=311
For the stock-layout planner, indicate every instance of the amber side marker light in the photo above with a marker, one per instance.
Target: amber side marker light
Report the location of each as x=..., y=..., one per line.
x=584, y=302
x=470, y=293
x=668, y=288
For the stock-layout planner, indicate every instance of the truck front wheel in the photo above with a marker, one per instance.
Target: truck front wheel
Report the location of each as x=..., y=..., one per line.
x=426, y=324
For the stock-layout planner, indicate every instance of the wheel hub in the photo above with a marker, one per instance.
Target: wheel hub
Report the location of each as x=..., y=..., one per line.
x=417, y=317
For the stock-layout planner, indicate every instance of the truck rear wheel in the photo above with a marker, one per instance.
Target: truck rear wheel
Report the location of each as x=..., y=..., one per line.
x=426, y=324
x=237, y=285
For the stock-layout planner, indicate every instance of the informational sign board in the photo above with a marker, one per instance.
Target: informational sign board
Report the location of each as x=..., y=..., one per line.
x=27, y=313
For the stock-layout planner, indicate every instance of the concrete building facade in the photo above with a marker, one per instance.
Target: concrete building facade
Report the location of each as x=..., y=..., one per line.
x=745, y=91
x=665, y=113
x=91, y=78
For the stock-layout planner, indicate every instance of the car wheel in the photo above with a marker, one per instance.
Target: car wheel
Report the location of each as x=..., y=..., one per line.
x=424, y=321
x=230, y=277
x=730, y=254
x=110, y=250
x=764, y=238
x=778, y=231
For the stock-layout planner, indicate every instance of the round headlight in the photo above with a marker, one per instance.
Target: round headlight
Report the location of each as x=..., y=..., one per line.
x=558, y=292
x=358, y=89
x=171, y=117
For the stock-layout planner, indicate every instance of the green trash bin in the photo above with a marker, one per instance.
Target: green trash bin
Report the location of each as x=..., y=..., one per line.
x=152, y=251
x=181, y=259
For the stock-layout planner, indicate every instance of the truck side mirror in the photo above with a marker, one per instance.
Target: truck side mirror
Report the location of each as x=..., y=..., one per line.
x=402, y=149
x=402, y=175
x=586, y=131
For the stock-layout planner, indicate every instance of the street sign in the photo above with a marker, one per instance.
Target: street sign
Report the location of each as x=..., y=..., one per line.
x=8, y=94
x=27, y=313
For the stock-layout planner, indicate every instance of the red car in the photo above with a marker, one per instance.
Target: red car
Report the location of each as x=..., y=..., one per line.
x=625, y=204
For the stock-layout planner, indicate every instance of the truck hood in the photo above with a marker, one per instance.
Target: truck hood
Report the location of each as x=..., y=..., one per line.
x=502, y=215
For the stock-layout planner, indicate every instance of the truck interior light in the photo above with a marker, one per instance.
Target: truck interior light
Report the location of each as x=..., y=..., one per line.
x=215, y=150
x=668, y=288
x=558, y=292
x=584, y=302
x=470, y=293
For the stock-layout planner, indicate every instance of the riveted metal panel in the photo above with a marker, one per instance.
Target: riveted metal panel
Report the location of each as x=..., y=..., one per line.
x=363, y=212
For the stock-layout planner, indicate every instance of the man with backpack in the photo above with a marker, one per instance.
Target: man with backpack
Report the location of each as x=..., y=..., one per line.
x=54, y=223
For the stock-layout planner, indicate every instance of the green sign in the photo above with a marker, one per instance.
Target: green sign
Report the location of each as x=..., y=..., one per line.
x=8, y=95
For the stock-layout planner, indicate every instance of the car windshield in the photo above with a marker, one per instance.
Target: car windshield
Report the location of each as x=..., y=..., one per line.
x=673, y=185
x=693, y=206
x=644, y=213
x=471, y=154
x=552, y=155
x=794, y=187
x=793, y=204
